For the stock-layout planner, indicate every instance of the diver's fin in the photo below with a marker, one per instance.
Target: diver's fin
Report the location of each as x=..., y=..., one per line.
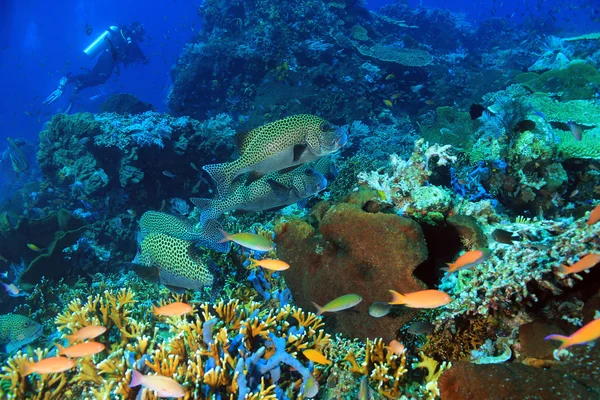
x=221, y=176
x=253, y=176
x=281, y=191
x=207, y=207
x=299, y=151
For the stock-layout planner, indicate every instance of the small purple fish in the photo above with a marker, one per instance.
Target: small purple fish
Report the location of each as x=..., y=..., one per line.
x=169, y=174
x=575, y=130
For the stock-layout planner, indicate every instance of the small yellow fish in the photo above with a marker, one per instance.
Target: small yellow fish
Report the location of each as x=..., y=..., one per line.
x=339, y=304
x=34, y=247
x=363, y=392
x=388, y=103
x=249, y=240
x=390, y=77
x=11, y=289
x=316, y=356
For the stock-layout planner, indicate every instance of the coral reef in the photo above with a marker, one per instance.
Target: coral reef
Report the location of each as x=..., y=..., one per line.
x=125, y=104
x=405, y=185
x=352, y=252
x=519, y=274
x=51, y=235
x=488, y=381
x=460, y=137
x=227, y=348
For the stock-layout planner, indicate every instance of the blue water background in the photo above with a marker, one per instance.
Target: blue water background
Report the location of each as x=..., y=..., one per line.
x=42, y=40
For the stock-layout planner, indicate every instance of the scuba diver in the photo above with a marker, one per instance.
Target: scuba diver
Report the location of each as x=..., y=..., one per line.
x=117, y=44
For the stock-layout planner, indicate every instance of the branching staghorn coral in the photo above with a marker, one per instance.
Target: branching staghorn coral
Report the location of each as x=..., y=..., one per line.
x=226, y=349
x=431, y=390
x=384, y=368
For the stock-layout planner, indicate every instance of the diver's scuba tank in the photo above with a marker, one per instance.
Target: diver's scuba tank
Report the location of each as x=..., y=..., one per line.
x=101, y=43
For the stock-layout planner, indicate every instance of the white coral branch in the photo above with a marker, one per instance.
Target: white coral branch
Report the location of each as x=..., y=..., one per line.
x=442, y=153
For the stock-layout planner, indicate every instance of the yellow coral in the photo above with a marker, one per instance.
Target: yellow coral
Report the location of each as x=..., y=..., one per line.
x=184, y=348
x=384, y=368
x=433, y=374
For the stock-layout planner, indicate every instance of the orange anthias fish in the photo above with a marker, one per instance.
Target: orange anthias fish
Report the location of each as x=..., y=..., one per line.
x=273, y=265
x=80, y=350
x=316, y=356
x=587, y=333
x=162, y=385
x=469, y=260
x=396, y=347
x=421, y=299
x=594, y=216
x=50, y=365
x=88, y=332
x=586, y=262
x=178, y=308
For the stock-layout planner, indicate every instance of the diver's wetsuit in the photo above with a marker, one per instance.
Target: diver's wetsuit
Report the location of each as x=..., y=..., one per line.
x=97, y=76
x=119, y=50
x=122, y=48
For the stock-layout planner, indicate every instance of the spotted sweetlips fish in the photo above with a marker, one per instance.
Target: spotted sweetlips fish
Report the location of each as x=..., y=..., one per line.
x=279, y=145
x=17, y=330
x=177, y=265
x=270, y=192
x=177, y=227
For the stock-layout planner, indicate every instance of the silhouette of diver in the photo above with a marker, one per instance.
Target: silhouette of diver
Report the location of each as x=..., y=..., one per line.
x=115, y=45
